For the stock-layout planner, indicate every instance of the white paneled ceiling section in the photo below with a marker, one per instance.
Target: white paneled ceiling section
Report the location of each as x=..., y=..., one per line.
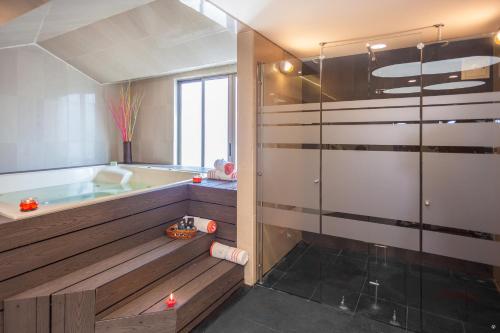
x=299, y=26
x=117, y=40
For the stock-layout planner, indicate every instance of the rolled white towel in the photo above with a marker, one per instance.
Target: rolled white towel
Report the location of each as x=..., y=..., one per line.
x=217, y=174
x=204, y=225
x=221, y=251
x=224, y=166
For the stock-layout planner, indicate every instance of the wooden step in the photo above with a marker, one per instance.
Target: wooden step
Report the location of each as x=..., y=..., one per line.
x=24, y=308
x=73, y=300
x=199, y=287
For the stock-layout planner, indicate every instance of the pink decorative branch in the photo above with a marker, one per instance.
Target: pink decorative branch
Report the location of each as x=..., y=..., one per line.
x=125, y=111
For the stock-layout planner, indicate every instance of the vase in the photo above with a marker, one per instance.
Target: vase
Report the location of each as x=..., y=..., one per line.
x=127, y=152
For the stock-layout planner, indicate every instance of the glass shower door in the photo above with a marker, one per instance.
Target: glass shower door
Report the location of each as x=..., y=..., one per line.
x=461, y=185
x=370, y=196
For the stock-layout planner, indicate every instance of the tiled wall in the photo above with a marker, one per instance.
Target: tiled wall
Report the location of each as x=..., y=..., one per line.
x=51, y=115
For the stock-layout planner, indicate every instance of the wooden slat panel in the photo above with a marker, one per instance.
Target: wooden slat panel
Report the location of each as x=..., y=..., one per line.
x=40, y=276
x=21, y=232
x=189, y=327
x=212, y=211
x=226, y=231
x=123, y=280
x=79, y=312
x=43, y=314
x=29, y=257
x=91, y=270
x=151, y=323
x=125, y=285
x=219, y=196
x=170, y=283
x=198, y=294
x=1, y=321
x=57, y=314
x=20, y=317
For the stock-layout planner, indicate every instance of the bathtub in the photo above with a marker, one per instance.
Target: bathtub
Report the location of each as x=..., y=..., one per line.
x=62, y=189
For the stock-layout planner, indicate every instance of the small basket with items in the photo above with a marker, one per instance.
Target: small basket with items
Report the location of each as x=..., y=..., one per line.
x=184, y=229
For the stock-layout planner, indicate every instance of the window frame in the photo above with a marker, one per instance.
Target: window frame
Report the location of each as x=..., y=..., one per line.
x=231, y=133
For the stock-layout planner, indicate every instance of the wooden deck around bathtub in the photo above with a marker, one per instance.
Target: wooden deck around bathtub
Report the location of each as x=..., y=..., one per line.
x=65, y=271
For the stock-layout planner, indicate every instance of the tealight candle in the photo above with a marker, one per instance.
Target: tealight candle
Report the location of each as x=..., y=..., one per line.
x=27, y=205
x=171, y=301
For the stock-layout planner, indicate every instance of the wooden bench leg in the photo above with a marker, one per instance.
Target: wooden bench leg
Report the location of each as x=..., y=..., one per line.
x=20, y=316
x=74, y=312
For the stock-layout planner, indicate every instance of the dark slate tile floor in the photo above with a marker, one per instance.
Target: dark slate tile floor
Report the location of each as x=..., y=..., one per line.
x=303, y=293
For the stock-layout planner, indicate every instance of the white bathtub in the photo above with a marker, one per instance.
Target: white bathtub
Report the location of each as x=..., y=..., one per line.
x=63, y=189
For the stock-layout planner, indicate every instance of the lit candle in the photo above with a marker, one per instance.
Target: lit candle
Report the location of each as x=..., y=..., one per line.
x=171, y=301
x=28, y=205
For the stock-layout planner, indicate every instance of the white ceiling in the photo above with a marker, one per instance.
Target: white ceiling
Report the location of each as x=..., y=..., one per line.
x=118, y=40
x=57, y=17
x=299, y=25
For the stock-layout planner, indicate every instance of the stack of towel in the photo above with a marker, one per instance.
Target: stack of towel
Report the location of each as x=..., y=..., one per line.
x=223, y=170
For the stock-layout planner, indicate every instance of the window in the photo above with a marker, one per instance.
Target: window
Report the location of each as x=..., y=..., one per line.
x=206, y=120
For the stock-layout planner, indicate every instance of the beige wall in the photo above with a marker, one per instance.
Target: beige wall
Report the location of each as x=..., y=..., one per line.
x=253, y=49
x=154, y=136
x=51, y=115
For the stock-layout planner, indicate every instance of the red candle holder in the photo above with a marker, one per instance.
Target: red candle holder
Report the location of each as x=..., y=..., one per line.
x=197, y=179
x=171, y=301
x=28, y=205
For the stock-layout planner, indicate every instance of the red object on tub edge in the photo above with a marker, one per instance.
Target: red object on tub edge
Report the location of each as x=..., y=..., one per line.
x=197, y=179
x=28, y=205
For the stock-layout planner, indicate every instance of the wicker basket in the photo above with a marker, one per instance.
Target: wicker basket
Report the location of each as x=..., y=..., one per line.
x=175, y=233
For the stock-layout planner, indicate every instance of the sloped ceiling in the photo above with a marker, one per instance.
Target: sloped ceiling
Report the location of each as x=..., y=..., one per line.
x=299, y=26
x=162, y=37
x=117, y=40
x=57, y=17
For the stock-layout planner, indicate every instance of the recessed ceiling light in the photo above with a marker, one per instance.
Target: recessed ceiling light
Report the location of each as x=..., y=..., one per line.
x=412, y=81
x=378, y=46
x=454, y=76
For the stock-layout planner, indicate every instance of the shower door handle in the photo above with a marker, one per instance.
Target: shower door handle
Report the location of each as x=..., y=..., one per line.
x=316, y=181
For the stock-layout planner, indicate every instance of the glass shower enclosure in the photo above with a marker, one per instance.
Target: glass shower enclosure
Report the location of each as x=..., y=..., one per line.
x=379, y=180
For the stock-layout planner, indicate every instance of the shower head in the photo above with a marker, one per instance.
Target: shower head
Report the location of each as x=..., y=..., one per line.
x=371, y=54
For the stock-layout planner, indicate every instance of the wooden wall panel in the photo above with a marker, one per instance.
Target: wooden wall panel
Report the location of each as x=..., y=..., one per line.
x=212, y=211
x=221, y=196
x=22, y=232
x=32, y=256
x=157, y=322
x=42, y=275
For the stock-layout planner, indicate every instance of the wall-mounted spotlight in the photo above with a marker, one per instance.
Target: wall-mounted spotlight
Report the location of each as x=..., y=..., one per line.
x=497, y=37
x=286, y=67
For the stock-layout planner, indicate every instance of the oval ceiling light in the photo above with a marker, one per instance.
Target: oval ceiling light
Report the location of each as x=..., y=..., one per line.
x=412, y=81
x=454, y=76
x=403, y=90
x=454, y=85
x=378, y=46
x=436, y=67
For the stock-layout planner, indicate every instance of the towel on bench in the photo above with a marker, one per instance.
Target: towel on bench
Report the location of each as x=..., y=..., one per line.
x=221, y=251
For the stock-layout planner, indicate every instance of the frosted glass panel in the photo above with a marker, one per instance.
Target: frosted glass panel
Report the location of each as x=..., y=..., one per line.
x=290, y=177
x=463, y=191
x=191, y=123
x=397, y=134
x=404, y=238
x=290, y=219
x=466, y=248
x=481, y=134
x=372, y=183
x=290, y=134
x=216, y=120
